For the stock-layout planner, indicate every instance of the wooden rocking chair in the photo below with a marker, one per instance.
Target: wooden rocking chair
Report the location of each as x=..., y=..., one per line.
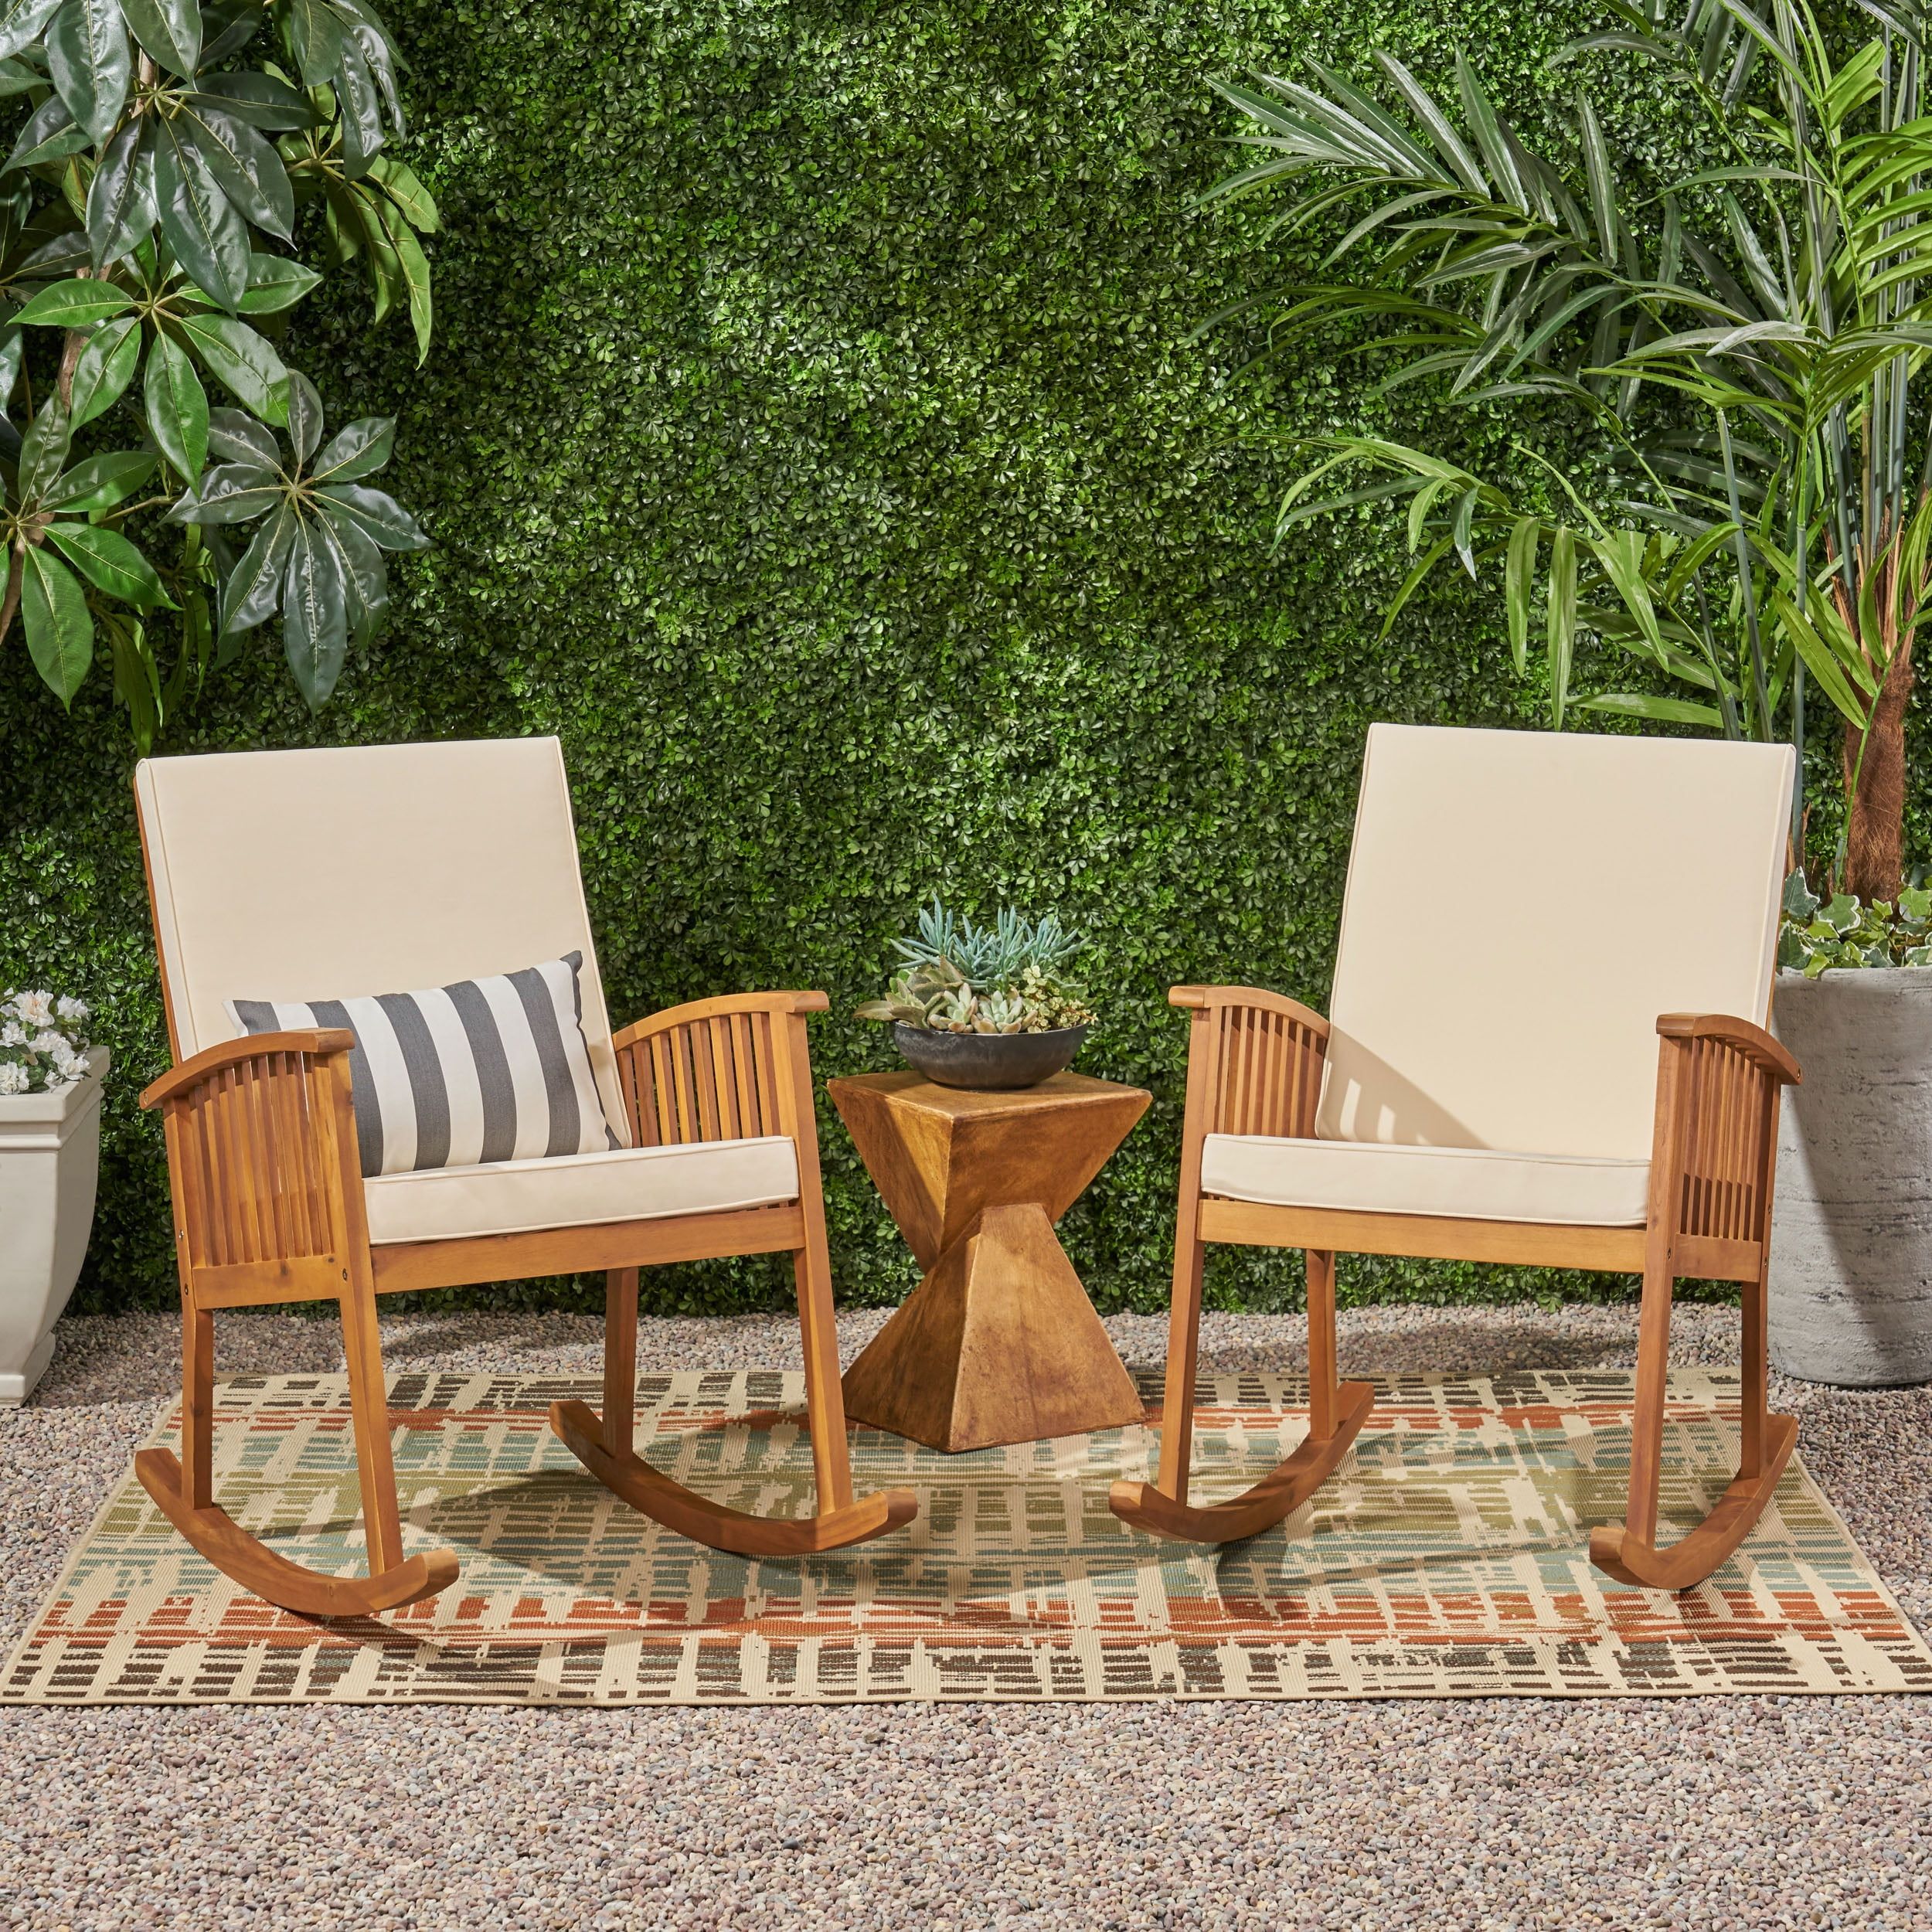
x=1525, y=913
x=326, y=875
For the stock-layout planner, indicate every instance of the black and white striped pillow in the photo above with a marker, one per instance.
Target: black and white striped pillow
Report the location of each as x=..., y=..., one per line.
x=486, y=1069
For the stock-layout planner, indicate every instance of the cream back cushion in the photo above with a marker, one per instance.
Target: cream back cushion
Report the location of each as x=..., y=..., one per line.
x=1521, y=907
x=307, y=875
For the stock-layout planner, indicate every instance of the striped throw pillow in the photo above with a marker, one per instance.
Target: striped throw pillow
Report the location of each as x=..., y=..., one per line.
x=486, y=1069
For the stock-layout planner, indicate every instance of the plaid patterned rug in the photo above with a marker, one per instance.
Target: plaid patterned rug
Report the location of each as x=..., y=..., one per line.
x=1446, y=1559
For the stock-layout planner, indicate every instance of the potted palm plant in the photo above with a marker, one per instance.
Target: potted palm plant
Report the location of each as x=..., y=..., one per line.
x=1714, y=478
x=50, y=1083
x=987, y=1007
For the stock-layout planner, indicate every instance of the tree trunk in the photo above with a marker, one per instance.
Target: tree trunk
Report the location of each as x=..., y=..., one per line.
x=1874, y=822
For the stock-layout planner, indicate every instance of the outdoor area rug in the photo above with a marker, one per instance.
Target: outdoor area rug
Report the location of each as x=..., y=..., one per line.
x=1445, y=1558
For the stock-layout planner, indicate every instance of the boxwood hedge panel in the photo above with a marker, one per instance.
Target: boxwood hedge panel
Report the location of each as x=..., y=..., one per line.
x=814, y=440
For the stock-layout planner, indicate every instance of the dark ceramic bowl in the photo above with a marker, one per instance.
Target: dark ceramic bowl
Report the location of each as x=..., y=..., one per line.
x=987, y=1062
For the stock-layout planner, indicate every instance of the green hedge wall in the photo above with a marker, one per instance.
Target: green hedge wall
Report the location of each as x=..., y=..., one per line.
x=813, y=440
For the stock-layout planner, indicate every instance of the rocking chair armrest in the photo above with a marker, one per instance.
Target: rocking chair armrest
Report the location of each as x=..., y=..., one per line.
x=1255, y=998
x=1757, y=1046
x=722, y=1007
x=322, y=1043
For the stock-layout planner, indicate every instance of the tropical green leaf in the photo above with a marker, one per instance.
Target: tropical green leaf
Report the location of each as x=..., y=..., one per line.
x=1637, y=704
x=120, y=199
x=358, y=450
x=207, y=233
x=177, y=407
x=241, y=360
x=60, y=630
x=99, y=482
x=313, y=33
x=105, y=558
x=50, y=134
x=314, y=613
x=73, y=305
x=1520, y=584
x=364, y=575
x=43, y=450
x=21, y=22
x=169, y=31
x=384, y=519
x=259, y=99
x=253, y=592
x=230, y=493
x=398, y=181
x=247, y=169
x=237, y=438
x=276, y=282
x=90, y=63
x=1560, y=626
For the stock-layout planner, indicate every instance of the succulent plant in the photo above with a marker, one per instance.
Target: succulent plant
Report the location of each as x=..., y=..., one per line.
x=1010, y=977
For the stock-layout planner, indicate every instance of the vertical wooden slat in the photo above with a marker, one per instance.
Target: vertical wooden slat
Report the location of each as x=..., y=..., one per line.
x=745, y=1075
x=704, y=1082
x=632, y=1068
x=662, y=1092
x=767, y=1076
x=723, y=1081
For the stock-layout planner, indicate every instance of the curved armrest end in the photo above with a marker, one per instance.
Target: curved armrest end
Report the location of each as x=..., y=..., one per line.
x=320, y=1043
x=1751, y=1041
x=720, y=1008
x=1205, y=999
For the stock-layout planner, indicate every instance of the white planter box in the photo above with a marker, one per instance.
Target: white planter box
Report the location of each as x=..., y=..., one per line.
x=49, y=1162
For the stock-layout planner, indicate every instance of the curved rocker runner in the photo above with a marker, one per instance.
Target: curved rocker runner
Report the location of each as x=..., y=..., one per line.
x=277, y=873
x=1379, y=1134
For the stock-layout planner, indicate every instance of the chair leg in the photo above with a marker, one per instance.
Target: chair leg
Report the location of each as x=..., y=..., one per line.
x=183, y=1489
x=604, y=1446
x=1628, y=1551
x=1336, y=1412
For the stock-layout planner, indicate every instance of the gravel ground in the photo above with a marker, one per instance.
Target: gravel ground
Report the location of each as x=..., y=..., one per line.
x=1491, y=1816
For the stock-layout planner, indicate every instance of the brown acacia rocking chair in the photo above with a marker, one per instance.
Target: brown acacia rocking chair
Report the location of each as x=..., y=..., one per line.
x=1545, y=1049
x=307, y=876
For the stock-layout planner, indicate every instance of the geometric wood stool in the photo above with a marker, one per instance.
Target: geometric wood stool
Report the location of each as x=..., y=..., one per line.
x=998, y=1344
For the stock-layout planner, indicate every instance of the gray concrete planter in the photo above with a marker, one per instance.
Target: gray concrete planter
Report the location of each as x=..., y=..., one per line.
x=1851, y=1277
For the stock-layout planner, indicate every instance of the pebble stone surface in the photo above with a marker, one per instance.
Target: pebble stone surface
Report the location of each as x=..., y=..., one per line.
x=1496, y=1815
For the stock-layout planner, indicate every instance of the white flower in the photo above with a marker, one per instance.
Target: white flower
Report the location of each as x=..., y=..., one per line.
x=36, y=1008
x=70, y=1009
x=50, y=1042
x=13, y=1077
x=67, y=1063
x=13, y=1034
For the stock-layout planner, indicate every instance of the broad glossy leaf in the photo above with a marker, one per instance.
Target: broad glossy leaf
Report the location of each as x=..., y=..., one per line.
x=386, y=269
x=120, y=200
x=314, y=613
x=107, y=366
x=243, y=362
x=21, y=21
x=230, y=493
x=416, y=277
x=259, y=99
x=314, y=34
x=208, y=235
x=74, y=304
x=305, y=415
x=276, y=282
x=377, y=46
x=384, y=519
x=99, y=482
x=360, y=450
x=254, y=591
x=1637, y=704
x=57, y=258
x=237, y=438
x=177, y=407
x=399, y=181
x=247, y=169
x=61, y=631
x=16, y=77
x=105, y=558
x=227, y=27
x=43, y=451
x=90, y=63
x=50, y=134
x=365, y=574
x=12, y=350
x=170, y=30
x=362, y=112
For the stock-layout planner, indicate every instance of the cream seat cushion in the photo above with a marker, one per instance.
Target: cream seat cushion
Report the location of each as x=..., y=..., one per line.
x=578, y=1190
x=1465, y=1183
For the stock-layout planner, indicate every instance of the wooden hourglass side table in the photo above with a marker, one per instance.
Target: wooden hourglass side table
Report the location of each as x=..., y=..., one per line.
x=999, y=1343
